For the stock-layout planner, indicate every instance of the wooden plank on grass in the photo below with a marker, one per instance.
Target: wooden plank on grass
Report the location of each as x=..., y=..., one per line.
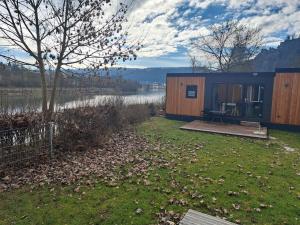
x=196, y=218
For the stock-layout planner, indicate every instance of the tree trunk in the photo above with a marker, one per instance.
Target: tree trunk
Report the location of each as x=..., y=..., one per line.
x=53, y=92
x=44, y=91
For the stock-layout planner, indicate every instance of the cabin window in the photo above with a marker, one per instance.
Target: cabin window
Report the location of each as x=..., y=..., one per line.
x=191, y=91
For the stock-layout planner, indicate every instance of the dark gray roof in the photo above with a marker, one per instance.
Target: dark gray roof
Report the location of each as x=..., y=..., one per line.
x=278, y=70
x=288, y=70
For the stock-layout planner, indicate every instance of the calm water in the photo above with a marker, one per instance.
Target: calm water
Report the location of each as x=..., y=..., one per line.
x=151, y=97
x=15, y=104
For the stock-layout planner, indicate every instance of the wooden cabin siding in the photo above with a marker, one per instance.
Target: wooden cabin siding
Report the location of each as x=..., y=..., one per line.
x=286, y=99
x=177, y=103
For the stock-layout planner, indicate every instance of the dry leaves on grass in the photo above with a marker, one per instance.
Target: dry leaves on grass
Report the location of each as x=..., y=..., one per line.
x=168, y=217
x=121, y=149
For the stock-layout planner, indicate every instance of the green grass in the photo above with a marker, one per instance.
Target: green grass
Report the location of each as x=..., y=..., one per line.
x=200, y=169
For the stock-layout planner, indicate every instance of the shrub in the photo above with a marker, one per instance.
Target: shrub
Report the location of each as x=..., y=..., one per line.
x=85, y=126
x=134, y=114
x=88, y=126
x=91, y=126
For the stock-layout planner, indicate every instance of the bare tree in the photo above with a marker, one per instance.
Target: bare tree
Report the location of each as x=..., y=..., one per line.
x=193, y=62
x=196, y=64
x=229, y=45
x=64, y=34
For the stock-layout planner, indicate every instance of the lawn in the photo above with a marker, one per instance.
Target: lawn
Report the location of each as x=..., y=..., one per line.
x=245, y=180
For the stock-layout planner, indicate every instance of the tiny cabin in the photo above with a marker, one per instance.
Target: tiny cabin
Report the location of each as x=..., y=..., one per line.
x=271, y=98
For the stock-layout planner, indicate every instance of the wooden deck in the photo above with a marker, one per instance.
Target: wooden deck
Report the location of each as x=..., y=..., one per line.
x=196, y=218
x=230, y=129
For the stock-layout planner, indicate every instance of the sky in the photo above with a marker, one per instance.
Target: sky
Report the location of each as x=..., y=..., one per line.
x=167, y=26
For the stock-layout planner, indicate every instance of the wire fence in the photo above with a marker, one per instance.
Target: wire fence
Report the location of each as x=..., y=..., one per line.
x=24, y=146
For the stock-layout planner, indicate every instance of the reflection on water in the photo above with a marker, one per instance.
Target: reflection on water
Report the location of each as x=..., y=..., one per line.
x=16, y=104
x=151, y=97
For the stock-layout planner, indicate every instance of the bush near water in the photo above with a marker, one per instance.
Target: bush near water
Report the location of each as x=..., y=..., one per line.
x=83, y=127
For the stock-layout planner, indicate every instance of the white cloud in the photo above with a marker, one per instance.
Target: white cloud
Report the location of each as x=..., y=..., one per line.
x=275, y=23
x=164, y=28
x=158, y=33
x=272, y=42
x=203, y=4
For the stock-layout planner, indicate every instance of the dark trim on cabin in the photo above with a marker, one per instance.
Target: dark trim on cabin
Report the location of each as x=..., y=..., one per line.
x=166, y=98
x=191, y=88
x=287, y=70
x=264, y=79
x=283, y=127
x=220, y=74
x=192, y=118
x=277, y=70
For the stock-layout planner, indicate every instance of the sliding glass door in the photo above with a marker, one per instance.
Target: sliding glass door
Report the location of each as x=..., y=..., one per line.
x=238, y=100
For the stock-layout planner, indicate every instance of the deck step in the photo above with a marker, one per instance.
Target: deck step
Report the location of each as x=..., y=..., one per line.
x=196, y=218
x=250, y=124
x=227, y=129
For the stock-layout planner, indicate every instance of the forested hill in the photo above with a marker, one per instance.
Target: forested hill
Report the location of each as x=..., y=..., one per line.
x=286, y=55
x=14, y=76
x=148, y=75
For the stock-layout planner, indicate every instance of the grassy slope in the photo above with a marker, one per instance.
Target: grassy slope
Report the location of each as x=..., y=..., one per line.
x=262, y=169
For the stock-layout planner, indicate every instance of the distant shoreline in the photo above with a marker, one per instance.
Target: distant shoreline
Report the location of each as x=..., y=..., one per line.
x=77, y=91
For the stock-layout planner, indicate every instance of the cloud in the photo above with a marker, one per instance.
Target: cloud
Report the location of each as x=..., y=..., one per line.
x=275, y=23
x=151, y=24
x=167, y=25
x=272, y=42
x=203, y=4
x=163, y=27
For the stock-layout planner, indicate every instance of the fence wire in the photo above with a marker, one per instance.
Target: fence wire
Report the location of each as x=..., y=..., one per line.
x=25, y=145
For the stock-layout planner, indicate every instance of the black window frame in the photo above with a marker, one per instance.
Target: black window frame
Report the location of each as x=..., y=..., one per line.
x=191, y=88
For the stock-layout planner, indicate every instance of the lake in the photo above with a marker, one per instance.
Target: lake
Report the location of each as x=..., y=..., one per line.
x=24, y=103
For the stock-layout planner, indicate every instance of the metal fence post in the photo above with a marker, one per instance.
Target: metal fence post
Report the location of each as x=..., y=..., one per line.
x=51, y=126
